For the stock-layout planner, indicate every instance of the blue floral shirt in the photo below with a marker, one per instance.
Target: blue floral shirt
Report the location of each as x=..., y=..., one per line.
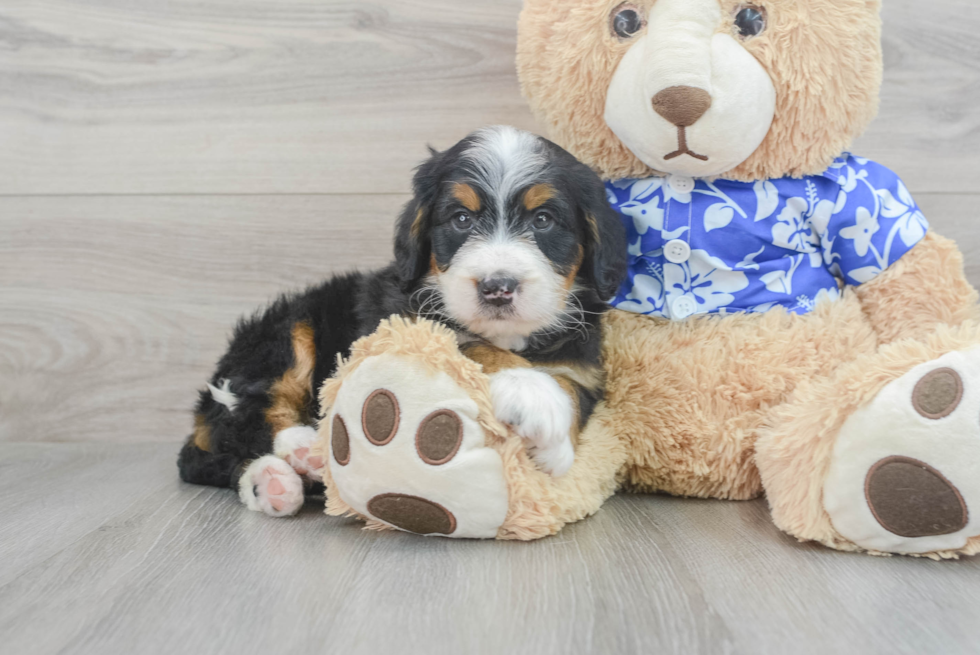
x=698, y=247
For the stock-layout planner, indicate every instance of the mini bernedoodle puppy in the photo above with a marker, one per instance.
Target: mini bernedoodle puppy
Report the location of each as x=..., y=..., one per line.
x=509, y=241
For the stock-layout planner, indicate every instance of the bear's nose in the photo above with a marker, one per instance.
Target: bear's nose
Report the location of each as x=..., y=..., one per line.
x=682, y=105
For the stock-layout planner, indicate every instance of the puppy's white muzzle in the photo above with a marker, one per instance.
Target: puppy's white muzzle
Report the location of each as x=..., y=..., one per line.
x=503, y=289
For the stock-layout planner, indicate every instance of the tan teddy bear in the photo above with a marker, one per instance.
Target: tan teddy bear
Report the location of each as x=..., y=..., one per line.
x=789, y=325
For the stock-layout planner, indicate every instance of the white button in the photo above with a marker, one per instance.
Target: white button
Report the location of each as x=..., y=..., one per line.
x=683, y=307
x=677, y=251
x=681, y=183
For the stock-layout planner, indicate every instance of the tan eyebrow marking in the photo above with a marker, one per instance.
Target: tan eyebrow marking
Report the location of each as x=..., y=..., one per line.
x=538, y=195
x=467, y=196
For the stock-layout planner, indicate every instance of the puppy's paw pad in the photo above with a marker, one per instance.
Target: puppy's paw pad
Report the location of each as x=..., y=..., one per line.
x=540, y=411
x=271, y=486
x=294, y=445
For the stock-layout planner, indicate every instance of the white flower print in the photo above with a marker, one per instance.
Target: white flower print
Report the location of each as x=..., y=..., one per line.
x=802, y=223
x=707, y=278
x=781, y=282
x=647, y=216
x=719, y=215
x=749, y=261
x=646, y=297
x=849, y=178
x=766, y=199
x=807, y=304
x=644, y=207
x=862, y=231
x=864, y=274
x=912, y=224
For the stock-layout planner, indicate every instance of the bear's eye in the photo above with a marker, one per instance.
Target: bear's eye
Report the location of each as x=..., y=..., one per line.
x=626, y=21
x=750, y=21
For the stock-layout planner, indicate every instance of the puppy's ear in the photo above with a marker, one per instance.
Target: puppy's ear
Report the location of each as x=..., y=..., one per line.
x=605, y=237
x=412, y=243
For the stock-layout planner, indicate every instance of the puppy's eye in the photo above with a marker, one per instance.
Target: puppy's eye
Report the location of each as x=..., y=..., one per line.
x=542, y=222
x=626, y=21
x=462, y=221
x=750, y=21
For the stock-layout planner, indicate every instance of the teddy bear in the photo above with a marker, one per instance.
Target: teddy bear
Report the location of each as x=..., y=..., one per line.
x=790, y=325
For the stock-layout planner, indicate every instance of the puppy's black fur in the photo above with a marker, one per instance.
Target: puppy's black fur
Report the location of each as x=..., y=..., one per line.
x=585, y=240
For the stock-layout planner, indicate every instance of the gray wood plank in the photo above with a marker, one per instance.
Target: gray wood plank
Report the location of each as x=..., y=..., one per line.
x=231, y=96
x=957, y=217
x=183, y=568
x=303, y=96
x=113, y=310
x=51, y=495
x=927, y=127
x=780, y=596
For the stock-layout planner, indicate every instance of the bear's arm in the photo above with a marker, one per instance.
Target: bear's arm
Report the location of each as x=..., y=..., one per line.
x=927, y=287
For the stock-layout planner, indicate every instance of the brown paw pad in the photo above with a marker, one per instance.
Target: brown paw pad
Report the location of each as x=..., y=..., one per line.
x=938, y=394
x=380, y=417
x=412, y=514
x=340, y=441
x=909, y=498
x=439, y=437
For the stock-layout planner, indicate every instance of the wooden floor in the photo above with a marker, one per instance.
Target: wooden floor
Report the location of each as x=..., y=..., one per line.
x=103, y=551
x=167, y=166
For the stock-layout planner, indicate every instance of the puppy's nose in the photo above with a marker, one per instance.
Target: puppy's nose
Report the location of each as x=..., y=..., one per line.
x=498, y=291
x=682, y=105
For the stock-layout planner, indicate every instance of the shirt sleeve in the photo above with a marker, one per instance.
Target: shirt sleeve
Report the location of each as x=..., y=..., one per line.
x=874, y=223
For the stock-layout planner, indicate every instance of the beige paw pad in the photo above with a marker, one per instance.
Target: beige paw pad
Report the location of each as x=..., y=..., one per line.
x=413, y=514
x=406, y=449
x=903, y=475
x=909, y=498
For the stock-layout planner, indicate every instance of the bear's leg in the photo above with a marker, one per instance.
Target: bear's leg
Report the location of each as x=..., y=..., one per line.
x=411, y=442
x=884, y=455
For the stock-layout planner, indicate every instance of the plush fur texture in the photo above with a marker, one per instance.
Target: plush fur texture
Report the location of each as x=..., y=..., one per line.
x=716, y=381
x=824, y=58
x=922, y=291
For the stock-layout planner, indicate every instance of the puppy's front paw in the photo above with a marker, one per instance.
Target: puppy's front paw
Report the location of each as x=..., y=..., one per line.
x=539, y=410
x=271, y=486
x=295, y=446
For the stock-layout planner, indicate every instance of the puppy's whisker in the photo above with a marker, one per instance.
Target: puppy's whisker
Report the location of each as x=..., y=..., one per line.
x=428, y=303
